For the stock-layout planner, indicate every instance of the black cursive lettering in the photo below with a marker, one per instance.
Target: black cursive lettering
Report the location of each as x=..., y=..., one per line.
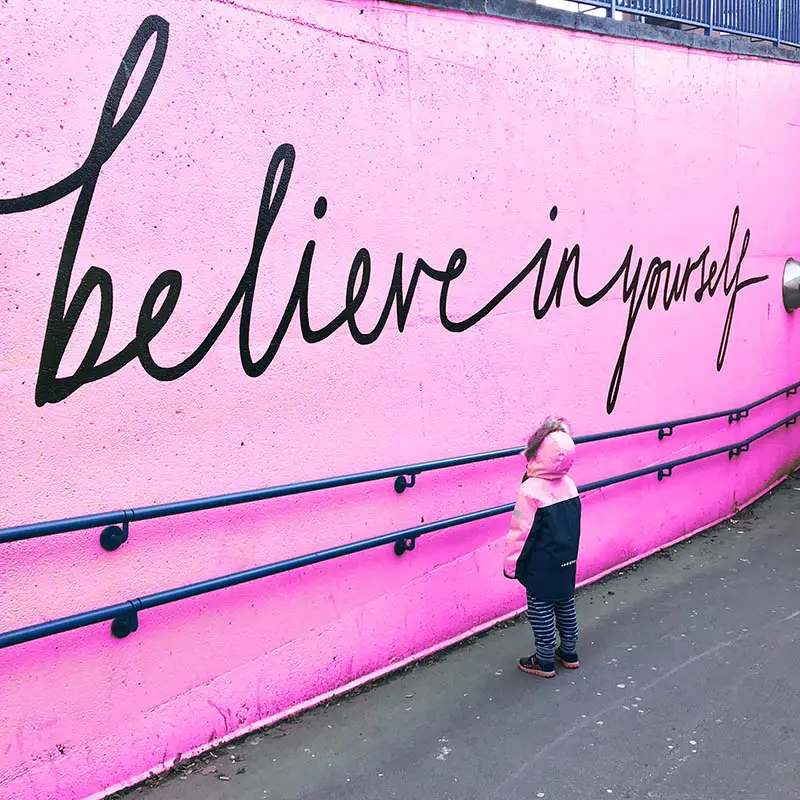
x=663, y=281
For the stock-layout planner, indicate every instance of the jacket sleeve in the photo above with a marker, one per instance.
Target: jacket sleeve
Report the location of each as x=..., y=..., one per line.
x=521, y=524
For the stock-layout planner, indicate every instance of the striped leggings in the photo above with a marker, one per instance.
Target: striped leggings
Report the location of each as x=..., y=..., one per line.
x=547, y=615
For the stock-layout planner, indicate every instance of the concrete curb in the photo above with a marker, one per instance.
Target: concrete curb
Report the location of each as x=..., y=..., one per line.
x=526, y=11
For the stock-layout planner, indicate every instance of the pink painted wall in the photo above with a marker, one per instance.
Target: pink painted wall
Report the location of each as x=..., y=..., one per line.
x=427, y=132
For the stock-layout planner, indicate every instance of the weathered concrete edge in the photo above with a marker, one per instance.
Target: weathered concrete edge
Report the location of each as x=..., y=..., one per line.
x=526, y=11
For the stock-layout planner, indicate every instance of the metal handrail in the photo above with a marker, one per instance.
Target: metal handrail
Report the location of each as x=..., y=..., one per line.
x=124, y=616
x=112, y=537
x=775, y=21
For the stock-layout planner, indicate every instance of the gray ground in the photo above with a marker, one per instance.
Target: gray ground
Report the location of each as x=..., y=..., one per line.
x=689, y=690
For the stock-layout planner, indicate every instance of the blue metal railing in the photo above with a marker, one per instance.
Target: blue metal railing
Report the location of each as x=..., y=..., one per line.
x=124, y=616
x=405, y=477
x=691, y=12
x=773, y=20
x=790, y=21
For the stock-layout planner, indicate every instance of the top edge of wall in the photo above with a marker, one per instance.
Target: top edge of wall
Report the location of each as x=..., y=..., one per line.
x=527, y=11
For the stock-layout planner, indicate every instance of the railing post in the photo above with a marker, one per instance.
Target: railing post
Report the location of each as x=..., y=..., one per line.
x=710, y=12
x=612, y=9
x=778, y=28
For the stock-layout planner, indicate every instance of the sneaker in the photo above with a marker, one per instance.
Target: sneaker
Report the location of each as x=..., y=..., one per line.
x=532, y=666
x=568, y=660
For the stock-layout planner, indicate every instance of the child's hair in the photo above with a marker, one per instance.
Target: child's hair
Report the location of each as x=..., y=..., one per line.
x=550, y=425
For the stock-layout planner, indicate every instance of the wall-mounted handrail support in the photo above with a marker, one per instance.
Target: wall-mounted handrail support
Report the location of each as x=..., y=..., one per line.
x=404, y=545
x=738, y=450
x=401, y=482
x=665, y=431
x=126, y=623
x=738, y=415
x=114, y=536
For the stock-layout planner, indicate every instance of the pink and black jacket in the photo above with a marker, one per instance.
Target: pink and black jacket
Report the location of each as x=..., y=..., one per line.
x=541, y=549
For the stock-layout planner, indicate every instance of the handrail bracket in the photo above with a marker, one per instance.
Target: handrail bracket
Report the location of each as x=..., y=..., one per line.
x=404, y=545
x=126, y=623
x=738, y=450
x=114, y=536
x=401, y=482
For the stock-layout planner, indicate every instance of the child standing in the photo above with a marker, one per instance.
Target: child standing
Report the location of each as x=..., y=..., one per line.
x=541, y=549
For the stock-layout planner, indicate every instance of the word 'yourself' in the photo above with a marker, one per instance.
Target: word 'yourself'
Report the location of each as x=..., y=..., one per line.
x=662, y=281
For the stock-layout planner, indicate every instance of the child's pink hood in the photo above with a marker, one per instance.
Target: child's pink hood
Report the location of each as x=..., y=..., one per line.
x=554, y=459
